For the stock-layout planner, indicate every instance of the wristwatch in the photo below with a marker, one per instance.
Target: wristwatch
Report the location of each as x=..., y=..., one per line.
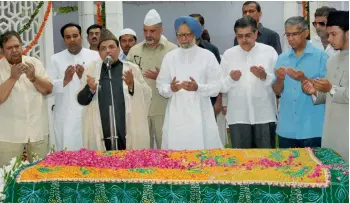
x=332, y=91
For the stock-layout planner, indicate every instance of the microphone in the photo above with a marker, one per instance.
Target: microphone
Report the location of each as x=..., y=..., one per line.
x=108, y=61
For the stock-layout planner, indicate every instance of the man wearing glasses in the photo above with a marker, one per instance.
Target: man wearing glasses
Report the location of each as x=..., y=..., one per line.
x=189, y=76
x=300, y=123
x=249, y=73
x=321, y=40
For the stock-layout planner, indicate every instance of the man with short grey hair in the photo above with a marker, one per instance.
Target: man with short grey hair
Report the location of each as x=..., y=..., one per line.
x=321, y=40
x=299, y=122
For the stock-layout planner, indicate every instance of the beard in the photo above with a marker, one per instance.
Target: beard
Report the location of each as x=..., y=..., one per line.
x=187, y=45
x=150, y=40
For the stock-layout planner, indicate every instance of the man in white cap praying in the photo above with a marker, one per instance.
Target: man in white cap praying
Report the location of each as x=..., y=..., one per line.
x=189, y=76
x=127, y=39
x=149, y=54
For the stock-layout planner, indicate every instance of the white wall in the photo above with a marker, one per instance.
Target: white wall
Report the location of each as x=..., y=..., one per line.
x=219, y=17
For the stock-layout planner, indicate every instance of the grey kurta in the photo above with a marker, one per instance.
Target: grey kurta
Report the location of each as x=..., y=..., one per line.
x=336, y=124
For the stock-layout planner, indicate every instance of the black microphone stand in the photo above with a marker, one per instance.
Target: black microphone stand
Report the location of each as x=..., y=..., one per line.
x=112, y=122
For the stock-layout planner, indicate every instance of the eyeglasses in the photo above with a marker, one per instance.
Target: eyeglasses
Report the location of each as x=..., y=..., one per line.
x=181, y=35
x=293, y=34
x=322, y=24
x=248, y=35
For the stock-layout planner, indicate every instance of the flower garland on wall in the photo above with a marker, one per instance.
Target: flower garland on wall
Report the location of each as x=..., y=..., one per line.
x=98, y=13
x=41, y=29
x=306, y=12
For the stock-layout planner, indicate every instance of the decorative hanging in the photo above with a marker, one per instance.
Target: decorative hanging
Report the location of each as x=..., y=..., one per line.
x=98, y=13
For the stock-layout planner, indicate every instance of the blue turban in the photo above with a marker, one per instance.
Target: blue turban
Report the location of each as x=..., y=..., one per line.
x=192, y=23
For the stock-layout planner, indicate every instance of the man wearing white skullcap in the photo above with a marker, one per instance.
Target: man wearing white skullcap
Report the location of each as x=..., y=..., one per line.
x=127, y=39
x=149, y=54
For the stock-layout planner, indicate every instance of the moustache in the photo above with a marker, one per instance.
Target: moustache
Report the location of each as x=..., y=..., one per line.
x=94, y=38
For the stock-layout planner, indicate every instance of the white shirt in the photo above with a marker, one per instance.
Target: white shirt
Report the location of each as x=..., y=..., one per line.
x=250, y=100
x=189, y=121
x=316, y=41
x=23, y=116
x=68, y=112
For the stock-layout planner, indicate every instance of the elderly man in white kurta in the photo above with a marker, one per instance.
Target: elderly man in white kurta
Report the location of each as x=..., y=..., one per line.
x=248, y=72
x=66, y=70
x=189, y=76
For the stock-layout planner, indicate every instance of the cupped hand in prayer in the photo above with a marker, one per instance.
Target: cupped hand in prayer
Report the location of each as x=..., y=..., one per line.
x=128, y=78
x=235, y=75
x=259, y=72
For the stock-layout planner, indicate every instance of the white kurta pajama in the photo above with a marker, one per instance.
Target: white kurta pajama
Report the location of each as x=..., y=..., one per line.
x=67, y=122
x=136, y=110
x=189, y=119
x=251, y=101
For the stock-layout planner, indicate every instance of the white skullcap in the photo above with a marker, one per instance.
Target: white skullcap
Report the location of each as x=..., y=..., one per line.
x=127, y=31
x=152, y=18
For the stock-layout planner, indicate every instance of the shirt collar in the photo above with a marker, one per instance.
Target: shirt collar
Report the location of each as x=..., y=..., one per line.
x=307, y=50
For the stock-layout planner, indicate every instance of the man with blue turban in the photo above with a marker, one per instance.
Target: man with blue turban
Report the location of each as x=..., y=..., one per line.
x=189, y=76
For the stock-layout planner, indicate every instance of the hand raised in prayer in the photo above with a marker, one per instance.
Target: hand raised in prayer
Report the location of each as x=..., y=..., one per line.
x=175, y=85
x=259, y=72
x=297, y=75
x=128, y=78
x=151, y=74
x=190, y=85
x=235, y=75
x=79, y=69
x=68, y=75
x=16, y=71
x=91, y=83
x=322, y=84
x=308, y=87
x=29, y=70
x=281, y=73
x=224, y=110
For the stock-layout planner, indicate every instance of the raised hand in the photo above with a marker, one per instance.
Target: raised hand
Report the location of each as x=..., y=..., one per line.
x=297, y=75
x=235, y=75
x=322, y=84
x=308, y=87
x=128, y=78
x=190, y=85
x=259, y=72
x=281, y=73
x=68, y=75
x=79, y=69
x=151, y=74
x=175, y=85
x=91, y=83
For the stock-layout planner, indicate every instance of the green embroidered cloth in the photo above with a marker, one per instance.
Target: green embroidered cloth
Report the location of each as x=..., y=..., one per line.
x=67, y=192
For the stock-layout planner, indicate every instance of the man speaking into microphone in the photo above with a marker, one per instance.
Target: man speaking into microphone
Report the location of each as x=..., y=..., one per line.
x=131, y=96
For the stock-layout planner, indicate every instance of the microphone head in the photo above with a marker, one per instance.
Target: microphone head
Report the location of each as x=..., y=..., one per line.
x=108, y=60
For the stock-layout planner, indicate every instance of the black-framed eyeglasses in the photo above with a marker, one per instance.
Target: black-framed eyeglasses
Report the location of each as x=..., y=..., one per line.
x=293, y=34
x=319, y=23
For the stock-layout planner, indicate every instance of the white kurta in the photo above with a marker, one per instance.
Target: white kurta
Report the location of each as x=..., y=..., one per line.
x=189, y=121
x=67, y=118
x=250, y=100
